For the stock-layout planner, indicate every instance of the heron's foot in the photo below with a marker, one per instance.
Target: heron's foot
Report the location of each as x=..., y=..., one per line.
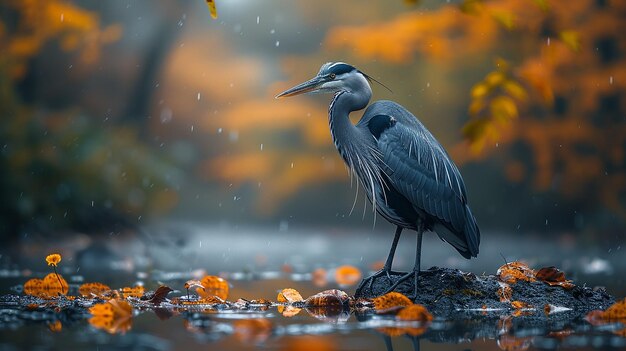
x=414, y=275
x=370, y=280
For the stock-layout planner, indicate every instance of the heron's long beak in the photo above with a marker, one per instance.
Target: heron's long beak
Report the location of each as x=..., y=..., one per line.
x=306, y=87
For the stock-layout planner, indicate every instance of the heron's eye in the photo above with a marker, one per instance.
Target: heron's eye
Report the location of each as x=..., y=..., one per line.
x=332, y=76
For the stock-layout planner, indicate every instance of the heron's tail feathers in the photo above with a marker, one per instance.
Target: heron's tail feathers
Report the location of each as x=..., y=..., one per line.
x=472, y=233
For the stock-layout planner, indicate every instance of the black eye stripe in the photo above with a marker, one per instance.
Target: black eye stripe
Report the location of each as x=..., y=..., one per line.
x=340, y=68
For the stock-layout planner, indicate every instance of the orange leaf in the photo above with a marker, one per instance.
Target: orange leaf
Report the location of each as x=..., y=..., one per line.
x=512, y=272
x=347, y=275
x=616, y=311
x=213, y=286
x=136, y=291
x=93, y=289
x=520, y=304
x=53, y=259
x=55, y=284
x=415, y=312
x=289, y=295
x=288, y=311
x=319, y=277
x=391, y=301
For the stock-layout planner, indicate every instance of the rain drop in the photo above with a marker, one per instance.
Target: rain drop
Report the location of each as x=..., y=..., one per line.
x=258, y=19
x=198, y=96
x=611, y=80
x=277, y=43
x=261, y=146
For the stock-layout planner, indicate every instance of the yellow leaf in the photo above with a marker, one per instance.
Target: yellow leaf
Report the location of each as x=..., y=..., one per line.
x=515, y=89
x=571, y=39
x=212, y=8
x=505, y=18
x=494, y=79
x=213, y=286
x=93, y=289
x=480, y=90
x=390, y=301
x=503, y=109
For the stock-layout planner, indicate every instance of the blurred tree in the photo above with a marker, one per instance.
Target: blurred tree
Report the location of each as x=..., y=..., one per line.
x=557, y=96
x=64, y=170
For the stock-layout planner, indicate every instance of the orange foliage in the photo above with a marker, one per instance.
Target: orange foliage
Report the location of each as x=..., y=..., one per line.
x=347, y=275
x=289, y=295
x=319, y=277
x=136, y=291
x=415, y=312
x=511, y=272
x=51, y=285
x=520, y=304
x=53, y=259
x=93, y=289
x=288, y=311
x=213, y=286
x=55, y=326
x=391, y=301
x=505, y=292
x=512, y=343
x=114, y=316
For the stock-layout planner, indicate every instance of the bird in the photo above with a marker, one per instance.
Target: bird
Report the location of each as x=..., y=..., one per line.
x=408, y=177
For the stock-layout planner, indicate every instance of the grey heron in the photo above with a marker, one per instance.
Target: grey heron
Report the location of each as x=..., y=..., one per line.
x=408, y=176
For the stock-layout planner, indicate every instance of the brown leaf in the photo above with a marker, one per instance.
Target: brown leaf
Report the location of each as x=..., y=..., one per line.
x=512, y=343
x=415, y=312
x=113, y=316
x=554, y=277
x=331, y=297
x=289, y=295
x=160, y=294
x=288, y=311
x=391, y=302
x=136, y=291
x=193, y=284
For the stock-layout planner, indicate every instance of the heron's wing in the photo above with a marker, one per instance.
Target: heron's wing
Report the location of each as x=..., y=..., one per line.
x=421, y=170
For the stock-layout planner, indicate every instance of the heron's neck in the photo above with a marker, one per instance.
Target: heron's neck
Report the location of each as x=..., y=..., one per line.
x=345, y=134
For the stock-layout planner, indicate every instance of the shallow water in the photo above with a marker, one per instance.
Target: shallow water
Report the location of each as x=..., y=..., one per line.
x=259, y=263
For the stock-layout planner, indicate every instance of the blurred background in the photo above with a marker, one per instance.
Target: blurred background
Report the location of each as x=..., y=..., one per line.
x=121, y=115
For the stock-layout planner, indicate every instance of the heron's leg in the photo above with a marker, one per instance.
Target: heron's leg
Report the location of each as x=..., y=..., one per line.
x=416, y=268
x=388, y=263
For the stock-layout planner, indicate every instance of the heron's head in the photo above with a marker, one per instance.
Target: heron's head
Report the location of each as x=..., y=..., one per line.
x=333, y=77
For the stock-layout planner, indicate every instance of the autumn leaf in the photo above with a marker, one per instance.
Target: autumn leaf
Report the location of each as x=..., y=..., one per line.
x=289, y=295
x=415, y=312
x=213, y=286
x=508, y=342
x=347, y=275
x=554, y=277
x=520, y=305
x=91, y=290
x=391, y=302
x=511, y=272
x=55, y=326
x=616, y=311
x=319, y=277
x=136, y=291
x=212, y=8
x=288, y=311
x=331, y=297
x=160, y=294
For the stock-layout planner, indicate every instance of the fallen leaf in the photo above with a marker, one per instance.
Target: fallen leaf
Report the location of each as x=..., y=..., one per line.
x=212, y=8
x=90, y=290
x=331, y=297
x=193, y=284
x=55, y=326
x=415, y=312
x=55, y=284
x=616, y=311
x=160, y=294
x=391, y=302
x=136, y=291
x=554, y=277
x=289, y=295
x=347, y=275
x=511, y=272
x=213, y=286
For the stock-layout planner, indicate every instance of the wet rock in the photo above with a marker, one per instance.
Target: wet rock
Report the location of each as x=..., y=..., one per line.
x=449, y=292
